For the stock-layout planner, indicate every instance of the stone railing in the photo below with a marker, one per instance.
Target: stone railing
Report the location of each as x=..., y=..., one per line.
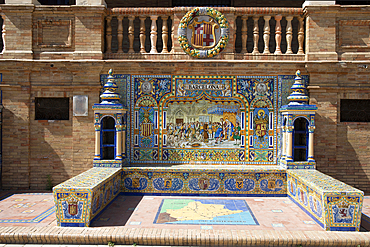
x=255, y=33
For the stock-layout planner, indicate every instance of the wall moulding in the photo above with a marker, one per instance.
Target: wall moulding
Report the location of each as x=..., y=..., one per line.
x=54, y=33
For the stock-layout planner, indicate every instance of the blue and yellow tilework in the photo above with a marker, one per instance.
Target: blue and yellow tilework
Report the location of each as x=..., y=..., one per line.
x=81, y=198
x=195, y=180
x=334, y=205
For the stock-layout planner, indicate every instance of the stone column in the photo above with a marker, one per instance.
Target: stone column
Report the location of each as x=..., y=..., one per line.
x=289, y=153
x=310, y=144
x=255, y=35
x=153, y=34
x=278, y=34
x=300, y=36
x=120, y=33
x=119, y=145
x=283, y=151
x=97, y=144
x=289, y=34
x=108, y=35
x=266, y=34
x=131, y=33
x=142, y=34
x=244, y=34
x=164, y=34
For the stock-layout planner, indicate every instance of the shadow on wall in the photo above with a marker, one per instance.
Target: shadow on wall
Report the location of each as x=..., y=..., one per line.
x=29, y=159
x=50, y=153
x=339, y=148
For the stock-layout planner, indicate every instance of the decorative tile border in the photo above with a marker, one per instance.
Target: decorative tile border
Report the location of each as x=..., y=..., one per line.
x=220, y=182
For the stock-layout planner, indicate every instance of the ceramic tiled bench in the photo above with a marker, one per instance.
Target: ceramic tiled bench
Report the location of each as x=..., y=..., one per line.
x=334, y=205
x=81, y=198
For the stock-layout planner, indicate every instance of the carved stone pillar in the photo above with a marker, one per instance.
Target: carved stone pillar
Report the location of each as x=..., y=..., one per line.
x=153, y=34
x=164, y=34
x=300, y=36
x=255, y=35
x=289, y=34
x=120, y=33
x=108, y=36
x=278, y=34
x=266, y=34
x=142, y=34
x=244, y=34
x=131, y=29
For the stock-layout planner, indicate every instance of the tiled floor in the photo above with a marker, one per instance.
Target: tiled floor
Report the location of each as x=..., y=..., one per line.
x=269, y=213
x=166, y=212
x=26, y=209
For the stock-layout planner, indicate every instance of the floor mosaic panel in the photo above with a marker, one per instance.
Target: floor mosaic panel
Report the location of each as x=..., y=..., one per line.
x=205, y=211
x=27, y=208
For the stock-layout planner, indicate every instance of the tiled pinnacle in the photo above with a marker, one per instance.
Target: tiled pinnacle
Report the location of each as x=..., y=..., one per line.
x=110, y=95
x=298, y=95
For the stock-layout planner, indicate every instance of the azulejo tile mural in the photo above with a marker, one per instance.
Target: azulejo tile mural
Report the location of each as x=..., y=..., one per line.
x=201, y=119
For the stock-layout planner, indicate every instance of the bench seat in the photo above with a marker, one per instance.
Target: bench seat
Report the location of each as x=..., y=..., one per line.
x=81, y=198
x=334, y=205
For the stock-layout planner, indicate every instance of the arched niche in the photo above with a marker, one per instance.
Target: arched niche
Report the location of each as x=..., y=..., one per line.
x=300, y=139
x=108, y=138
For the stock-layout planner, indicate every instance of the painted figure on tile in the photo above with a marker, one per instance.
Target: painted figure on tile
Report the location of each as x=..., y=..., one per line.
x=229, y=129
x=260, y=124
x=236, y=134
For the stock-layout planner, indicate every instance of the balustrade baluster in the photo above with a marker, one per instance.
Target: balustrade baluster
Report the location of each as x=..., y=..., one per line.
x=173, y=36
x=278, y=34
x=164, y=34
x=131, y=29
x=234, y=33
x=244, y=34
x=300, y=36
x=153, y=34
x=266, y=34
x=289, y=34
x=109, y=34
x=142, y=34
x=120, y=33
x=255, y=35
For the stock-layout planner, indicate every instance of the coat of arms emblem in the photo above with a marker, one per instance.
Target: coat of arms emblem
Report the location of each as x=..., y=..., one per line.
x=72, y=206
x=203, y=32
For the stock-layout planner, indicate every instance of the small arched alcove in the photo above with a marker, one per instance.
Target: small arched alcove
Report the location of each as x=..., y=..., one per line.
x=108, y=137
x=300, y=139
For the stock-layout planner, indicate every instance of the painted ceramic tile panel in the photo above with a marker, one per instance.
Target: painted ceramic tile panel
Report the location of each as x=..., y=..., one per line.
x=203, y=119
x=343, y=211
x=204, y=182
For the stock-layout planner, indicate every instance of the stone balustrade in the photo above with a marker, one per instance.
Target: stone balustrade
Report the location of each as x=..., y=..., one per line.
x=255, y=33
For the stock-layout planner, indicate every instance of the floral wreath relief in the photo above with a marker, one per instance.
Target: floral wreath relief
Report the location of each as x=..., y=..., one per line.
x=208, y=31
